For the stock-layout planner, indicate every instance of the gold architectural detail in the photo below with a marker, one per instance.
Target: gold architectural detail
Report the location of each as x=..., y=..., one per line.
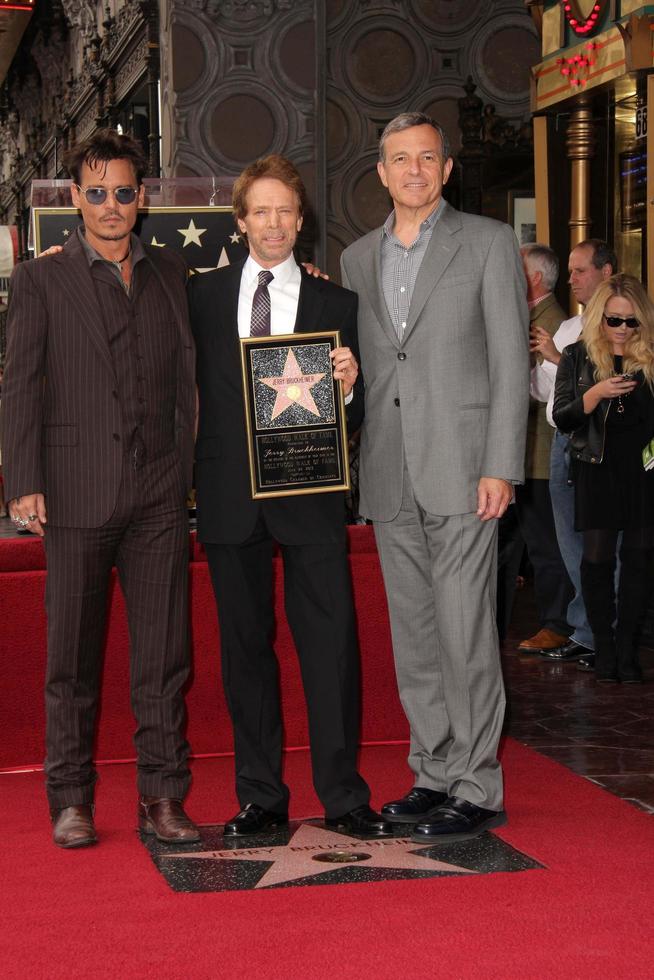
x=541, y=180
x=628, y=6
x=608, y=55
x=553, y=24
x=580, y=146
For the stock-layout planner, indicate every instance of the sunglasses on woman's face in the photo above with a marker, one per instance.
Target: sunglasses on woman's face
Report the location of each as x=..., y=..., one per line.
x=617, y=321
x=98, y=195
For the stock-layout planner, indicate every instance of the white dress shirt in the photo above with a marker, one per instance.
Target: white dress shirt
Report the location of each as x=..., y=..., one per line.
x=284, y=295
x=543, y=375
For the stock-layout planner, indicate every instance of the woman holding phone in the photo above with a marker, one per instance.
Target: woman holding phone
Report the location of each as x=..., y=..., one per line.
x=604, y=401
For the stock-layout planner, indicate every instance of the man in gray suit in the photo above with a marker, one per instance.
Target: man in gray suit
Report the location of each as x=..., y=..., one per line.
x=443, y=331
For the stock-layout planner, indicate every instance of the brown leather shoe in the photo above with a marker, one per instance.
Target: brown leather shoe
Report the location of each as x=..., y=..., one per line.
x=73, y=826
x=166, y=820
x=543, y=640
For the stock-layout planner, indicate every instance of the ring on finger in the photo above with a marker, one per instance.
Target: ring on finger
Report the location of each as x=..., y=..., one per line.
x=31, y=517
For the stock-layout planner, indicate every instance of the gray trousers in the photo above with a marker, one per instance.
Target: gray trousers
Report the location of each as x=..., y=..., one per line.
x=440, y=578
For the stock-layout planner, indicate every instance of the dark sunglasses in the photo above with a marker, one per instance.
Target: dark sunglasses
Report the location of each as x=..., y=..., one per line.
x=617, y=321
x=98, y=195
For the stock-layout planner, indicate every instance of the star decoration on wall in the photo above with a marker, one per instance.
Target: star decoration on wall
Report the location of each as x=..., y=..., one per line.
x=156, y=243
x=293, y=387
x=191, y=234
x=235, y=238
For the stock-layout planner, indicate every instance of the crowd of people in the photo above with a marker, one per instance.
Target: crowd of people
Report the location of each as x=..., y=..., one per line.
x=600, y=497
x=106, y=345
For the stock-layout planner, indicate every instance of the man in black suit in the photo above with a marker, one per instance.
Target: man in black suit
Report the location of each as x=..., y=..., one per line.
x=268, y=292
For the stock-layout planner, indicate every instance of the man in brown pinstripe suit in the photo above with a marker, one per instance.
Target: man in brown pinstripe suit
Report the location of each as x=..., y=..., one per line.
x=97, y=435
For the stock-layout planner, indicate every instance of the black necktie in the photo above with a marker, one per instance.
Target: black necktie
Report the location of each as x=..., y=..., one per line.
x=260, y=321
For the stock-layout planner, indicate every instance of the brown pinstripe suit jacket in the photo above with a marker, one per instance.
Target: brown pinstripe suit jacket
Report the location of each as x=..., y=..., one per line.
x=59, y=404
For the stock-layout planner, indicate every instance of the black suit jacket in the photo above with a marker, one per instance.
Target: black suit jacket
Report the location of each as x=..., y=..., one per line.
x=226, y=512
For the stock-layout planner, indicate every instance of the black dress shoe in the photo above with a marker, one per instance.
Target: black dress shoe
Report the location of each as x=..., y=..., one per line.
x=253, y=819
x=587, y=663
x=361, y=820
x=569, y=651
x=456, y=820
x=415, y=804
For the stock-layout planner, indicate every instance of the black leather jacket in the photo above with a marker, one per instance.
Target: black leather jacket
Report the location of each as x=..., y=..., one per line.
x=573, y=378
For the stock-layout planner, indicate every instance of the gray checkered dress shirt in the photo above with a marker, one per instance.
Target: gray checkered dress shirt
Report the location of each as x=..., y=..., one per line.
x=400, y=265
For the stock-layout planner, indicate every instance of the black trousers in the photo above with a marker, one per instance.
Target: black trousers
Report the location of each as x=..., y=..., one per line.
x=147, y=540
x=552, y=586
x=320, y=612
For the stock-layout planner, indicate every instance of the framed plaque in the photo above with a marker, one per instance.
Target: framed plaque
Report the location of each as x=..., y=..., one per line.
x=295, y=415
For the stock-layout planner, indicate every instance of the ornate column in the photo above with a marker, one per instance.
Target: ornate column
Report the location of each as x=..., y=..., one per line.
x=471, y=155
x=580, y=144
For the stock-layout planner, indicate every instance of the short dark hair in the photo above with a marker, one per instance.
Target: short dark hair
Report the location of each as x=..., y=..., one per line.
x=603, y=254
x=406, y=120
x=274, y=166
x=102, y=147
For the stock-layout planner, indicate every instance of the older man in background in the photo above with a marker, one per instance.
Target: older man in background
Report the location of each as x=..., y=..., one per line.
x=552, y=585
x=590, y=263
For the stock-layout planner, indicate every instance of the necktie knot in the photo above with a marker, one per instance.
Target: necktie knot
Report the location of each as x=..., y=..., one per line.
x=265, y=276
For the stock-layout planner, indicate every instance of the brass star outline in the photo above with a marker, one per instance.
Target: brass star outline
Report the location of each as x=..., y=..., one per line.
x=293, y=387
x=295, y=860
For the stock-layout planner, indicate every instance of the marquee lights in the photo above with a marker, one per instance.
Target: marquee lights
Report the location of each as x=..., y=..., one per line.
x=576, y=68
x=577, y=23
x=16, y=4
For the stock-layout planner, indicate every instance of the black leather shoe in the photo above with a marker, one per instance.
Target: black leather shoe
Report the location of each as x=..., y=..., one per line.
x=569, y=651
x=253, y=819
x=456, y=820
x=414, y=805
x=361, y=820
x=587, y=663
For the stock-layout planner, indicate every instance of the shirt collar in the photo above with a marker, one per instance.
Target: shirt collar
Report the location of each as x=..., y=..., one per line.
x=531, y=303
x=282, y=273
x=92, y=256
x=426, y=225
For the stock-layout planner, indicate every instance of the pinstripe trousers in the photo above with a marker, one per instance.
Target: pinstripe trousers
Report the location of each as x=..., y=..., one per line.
x=147, y=540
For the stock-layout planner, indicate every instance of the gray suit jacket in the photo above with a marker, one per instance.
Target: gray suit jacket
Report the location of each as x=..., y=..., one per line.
x=453, y=397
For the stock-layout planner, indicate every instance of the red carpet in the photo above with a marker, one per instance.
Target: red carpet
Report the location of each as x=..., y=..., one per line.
x=106, y=912
x=22, y=660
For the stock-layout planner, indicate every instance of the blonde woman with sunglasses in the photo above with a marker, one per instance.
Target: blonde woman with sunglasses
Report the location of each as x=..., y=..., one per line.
x=604, y=400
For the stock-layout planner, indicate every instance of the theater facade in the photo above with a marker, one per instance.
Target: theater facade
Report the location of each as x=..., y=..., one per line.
x=594, y=154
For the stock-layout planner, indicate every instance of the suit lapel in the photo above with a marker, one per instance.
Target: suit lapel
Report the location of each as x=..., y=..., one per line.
x=311, y=303
x=441, y=250
x=173, y=297
x=370, y=264
x=75, y=279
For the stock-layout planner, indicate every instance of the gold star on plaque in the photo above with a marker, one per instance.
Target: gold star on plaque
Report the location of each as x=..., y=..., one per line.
x=191, y=234
x=293, y=387
x=235, y=238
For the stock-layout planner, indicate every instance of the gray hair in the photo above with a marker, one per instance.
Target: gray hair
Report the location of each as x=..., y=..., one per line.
x=406, y=120
x=544, y=260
